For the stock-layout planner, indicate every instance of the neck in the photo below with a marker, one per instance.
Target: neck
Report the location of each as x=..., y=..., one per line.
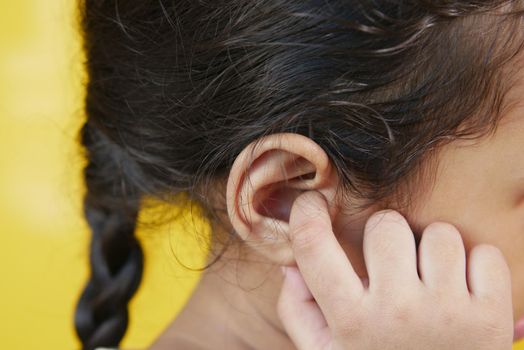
x=234, y=306
x=246, y=288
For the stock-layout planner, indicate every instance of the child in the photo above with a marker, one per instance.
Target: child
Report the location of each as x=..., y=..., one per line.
x=292, y=123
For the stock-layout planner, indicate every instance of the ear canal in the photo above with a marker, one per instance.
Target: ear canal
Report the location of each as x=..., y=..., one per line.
x=275, y=202
x=276, y=199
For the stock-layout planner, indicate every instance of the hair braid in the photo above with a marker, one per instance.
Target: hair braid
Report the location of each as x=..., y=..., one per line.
x=111, y=206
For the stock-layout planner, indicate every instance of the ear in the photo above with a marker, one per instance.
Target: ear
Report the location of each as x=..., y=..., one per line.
x=263, y=183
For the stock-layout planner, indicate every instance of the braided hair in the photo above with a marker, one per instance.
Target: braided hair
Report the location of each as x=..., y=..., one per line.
x=178, y=88
x=111, y=206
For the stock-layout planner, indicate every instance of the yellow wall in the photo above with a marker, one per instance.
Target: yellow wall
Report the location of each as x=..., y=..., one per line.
x=43, y=258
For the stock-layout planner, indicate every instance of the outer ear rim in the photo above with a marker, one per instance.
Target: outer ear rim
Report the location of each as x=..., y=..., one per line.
x=282, y=141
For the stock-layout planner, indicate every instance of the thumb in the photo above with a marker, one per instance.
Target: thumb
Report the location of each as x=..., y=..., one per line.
x=300, y=314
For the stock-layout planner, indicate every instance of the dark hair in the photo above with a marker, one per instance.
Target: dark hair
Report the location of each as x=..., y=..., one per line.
x=176, y=89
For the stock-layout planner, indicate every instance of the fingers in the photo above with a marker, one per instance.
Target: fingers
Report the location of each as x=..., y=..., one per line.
x=321, y=260
x=442, y=259
x=300, y=314
x=389, y=252
x=489, y=276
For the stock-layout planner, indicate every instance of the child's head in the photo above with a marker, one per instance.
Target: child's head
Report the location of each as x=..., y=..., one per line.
x=350, y=98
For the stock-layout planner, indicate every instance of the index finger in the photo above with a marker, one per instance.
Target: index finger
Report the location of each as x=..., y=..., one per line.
x=321, y=260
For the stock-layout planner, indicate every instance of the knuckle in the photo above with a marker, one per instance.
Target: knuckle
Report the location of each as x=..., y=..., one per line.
x=403, y=313
x=496, y=328
x=491, y=326
x=348, y=332
x=448, y=317
x=349, y=325
x=397, y=310
x=451, y=317
x=493, y=318
x=351, y=321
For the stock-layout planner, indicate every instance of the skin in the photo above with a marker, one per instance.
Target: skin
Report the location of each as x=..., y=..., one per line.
x=324, y=305
x=478, y=187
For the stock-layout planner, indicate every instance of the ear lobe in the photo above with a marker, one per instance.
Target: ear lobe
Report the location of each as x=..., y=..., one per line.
x=265, y=180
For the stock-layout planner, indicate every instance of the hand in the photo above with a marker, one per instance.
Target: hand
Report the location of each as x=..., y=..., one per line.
x=324, y=305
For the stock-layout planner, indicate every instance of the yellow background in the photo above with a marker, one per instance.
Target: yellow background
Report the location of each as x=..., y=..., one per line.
x=43, y=240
